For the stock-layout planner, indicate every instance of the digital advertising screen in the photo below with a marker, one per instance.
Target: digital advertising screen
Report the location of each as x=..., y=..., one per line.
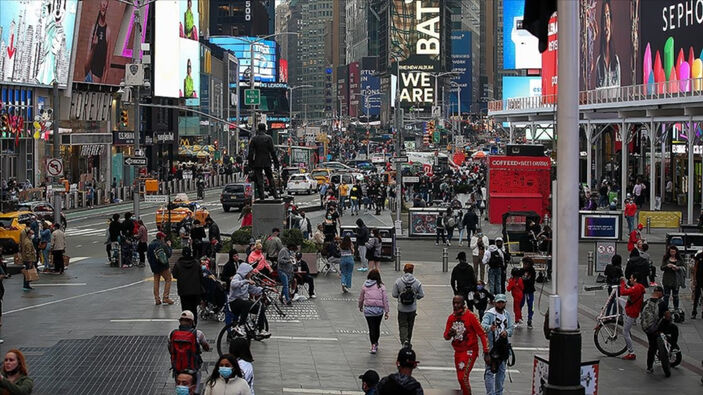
x=599, y=226
x=461, y=63
x=517, y=86
x=105, y=41
x=520, y=47
x=177, y=50
x=36, y=39
x=264, y=56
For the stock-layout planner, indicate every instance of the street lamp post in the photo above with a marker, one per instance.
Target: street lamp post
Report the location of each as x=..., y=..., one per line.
x=290, y=118
x=458, y=108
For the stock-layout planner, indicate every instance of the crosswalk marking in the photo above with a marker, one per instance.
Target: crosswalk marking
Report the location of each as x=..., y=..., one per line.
x=96, y=232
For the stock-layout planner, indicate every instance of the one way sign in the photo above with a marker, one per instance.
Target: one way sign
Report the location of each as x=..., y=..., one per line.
x=135, y=161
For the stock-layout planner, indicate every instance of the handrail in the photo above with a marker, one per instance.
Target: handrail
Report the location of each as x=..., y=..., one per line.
x=661, y=90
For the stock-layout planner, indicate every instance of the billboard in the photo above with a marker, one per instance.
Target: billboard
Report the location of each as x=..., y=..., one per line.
x=416, y=43
x=520, y=47
x=608, y=45
x=354, y=89
x=514, y=87
x=671, y=46
x=177, y=50
x=105, y=41
x=461, y=62
x=549, y=61
x=370, y=87
x=264, y=56
x=36, y=39
x=282, y=70
x=599, y=226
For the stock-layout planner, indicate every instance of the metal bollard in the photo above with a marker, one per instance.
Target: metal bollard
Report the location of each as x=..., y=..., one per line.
x=649, y=225
x=445, y=260
x=397, y=259
x=590, y=263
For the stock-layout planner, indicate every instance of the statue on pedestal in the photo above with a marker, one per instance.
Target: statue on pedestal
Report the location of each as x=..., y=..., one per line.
x=261, y=154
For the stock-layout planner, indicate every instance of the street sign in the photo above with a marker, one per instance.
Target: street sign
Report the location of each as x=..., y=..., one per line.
x=135, y=161
x=252, y=97
x=134, y=74
x=401, y=159
x=54, y=167
x=155, y=198
x=187, y=174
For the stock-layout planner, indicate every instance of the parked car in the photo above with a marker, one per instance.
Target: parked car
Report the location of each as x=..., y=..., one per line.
x=236, y=195
x=11, y=225
x=301, y=183
x=43, y=210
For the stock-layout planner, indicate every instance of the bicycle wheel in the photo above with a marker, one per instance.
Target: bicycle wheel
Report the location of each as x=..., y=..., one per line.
x=609, y=338
x=663, y=356
x=224, y=337
x=675, y=359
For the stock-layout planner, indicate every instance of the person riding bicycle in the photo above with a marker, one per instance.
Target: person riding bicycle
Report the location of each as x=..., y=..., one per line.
x=240, y=304
x=184, y=229
x=655, y=319
x=201, y=187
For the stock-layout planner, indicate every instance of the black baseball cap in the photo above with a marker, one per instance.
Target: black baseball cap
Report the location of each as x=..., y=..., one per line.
x=370, y=377
x=658, y=288
x=407, y=357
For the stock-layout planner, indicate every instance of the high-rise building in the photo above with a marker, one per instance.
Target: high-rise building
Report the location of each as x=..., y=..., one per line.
x=362, y=23
x=242, y=17
x=466, y=17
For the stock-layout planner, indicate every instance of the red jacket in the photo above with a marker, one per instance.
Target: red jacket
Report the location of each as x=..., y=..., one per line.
x=635, y=300
x=516, y=287
x=630, y=209
x=467, y=328
x=632, y=241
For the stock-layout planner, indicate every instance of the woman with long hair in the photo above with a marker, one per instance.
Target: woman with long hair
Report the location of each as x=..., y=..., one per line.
x=239, y=348
x=346, y=264
x=226, y=378
x=373, y=250
x=608, y=62
x=674, y=275
x=373, y=302
x=14, y=378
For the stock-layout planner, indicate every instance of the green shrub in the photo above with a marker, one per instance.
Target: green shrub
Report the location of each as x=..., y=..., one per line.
x=309, y=246
x=241, y=236
x=292, y=236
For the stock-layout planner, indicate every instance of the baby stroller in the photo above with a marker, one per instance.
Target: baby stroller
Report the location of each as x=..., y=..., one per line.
x=214, y=295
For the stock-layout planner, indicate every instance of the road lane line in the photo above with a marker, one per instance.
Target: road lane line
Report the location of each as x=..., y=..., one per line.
x=453, y=369
x=36, y=306
x=530, y=348
x=321, y=391
x=321, y=339
x=145, y=320
x=59, y=285
x=436, y=285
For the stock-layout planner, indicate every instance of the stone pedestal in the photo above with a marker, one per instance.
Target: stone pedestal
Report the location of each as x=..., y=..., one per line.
x=267, y=214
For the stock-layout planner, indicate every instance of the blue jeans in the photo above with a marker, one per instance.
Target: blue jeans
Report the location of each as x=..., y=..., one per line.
x=494, y=381
x=630, y=224
x=530, y=298
x=673, y=292
x=346, y=266
x=494, y=282
x=283, y=276
x=355, y=206
x=45, y=255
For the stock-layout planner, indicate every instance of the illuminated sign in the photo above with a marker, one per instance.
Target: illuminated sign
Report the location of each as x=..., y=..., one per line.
x=264, y=56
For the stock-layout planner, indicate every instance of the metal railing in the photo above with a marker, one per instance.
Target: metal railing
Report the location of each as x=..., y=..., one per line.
x=692, y=87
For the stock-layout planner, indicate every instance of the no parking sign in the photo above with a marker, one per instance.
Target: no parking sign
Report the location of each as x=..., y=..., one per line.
x=605, y=251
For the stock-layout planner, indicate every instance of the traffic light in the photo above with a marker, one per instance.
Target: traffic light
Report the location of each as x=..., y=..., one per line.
x=124, y=118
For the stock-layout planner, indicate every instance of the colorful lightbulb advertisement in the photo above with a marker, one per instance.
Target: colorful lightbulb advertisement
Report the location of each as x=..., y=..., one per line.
x=672, y=45
x=177, y=50
x=105, y=41
x=36, y=39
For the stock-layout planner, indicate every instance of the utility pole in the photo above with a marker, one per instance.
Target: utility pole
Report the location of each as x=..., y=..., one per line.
x=399, y=149
x=57, y=148
x=252, y=79
x=136, y=50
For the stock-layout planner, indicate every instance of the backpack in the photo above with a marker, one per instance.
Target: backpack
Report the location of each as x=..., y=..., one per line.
x=451, y=222
x=649, y=319
x=185, y=350
x=161, y=256
x=407, y=297
x=496, y=260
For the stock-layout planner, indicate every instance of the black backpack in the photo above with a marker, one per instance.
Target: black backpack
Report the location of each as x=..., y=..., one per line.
x=407, y=297
x=496, y=260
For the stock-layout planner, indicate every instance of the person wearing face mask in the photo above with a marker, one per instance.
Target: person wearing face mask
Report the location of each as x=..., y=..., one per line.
x=227, y=378
x=14, y=378
x=185, y=383
x=481, y=297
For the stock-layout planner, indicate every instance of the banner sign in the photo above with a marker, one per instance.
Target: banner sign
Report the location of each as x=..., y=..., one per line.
x=600, y=225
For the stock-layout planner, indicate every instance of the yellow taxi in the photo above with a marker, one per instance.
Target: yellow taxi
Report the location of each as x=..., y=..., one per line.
x=11, y=225
x=321, y=175
x=179, y=208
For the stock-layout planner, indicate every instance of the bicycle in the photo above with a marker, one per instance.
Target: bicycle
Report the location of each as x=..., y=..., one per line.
x=227, y=333
x=608, y=335
x=666, y=355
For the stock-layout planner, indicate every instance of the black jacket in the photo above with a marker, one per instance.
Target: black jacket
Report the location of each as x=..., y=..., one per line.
x=481, y=299
x=470, y=220
x=228, y=271
x=115, y=229
x=362, y=235
x=187, y=272
x=215, y=232
x=197, y=233
x=397, y=384
x=528, y=279
x=463, y=279
x=262, y=152
x=639, y=267
x=613, y=273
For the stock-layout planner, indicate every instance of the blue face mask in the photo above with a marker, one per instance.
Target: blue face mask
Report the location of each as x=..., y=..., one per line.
x=182, y=390
x=225, y=371
x=479, y=287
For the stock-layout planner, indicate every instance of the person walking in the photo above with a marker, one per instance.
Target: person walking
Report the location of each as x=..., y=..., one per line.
x=142, y=240
x=656, y=318
x=369, y=382
x=464, y=330
x=494, y=259
x=227, y=378
x=362, y=237
x=635, y=298
x=45, y=245
x=498, y=325
x=696, y=281
x=185, y=345
x=529, y=275
x=440, y=226
x=517, y=289
x=273, y=245
x=239, y=348
x=28, y=255
x=158, y=252
x=478, y=245
x=286, y=258
x=346, y=264
x=408, y=290
x=58, y=247
x=463, y=279
x=674, y=270
x=373, y=302
x=373, y=250
x=14, y=378
x=186, y=271
x=469, y=223
x=449, y=225
x=402, y=383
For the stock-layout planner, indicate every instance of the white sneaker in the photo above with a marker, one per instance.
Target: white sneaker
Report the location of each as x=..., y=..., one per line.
x=239, y=330
x=263, y=333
